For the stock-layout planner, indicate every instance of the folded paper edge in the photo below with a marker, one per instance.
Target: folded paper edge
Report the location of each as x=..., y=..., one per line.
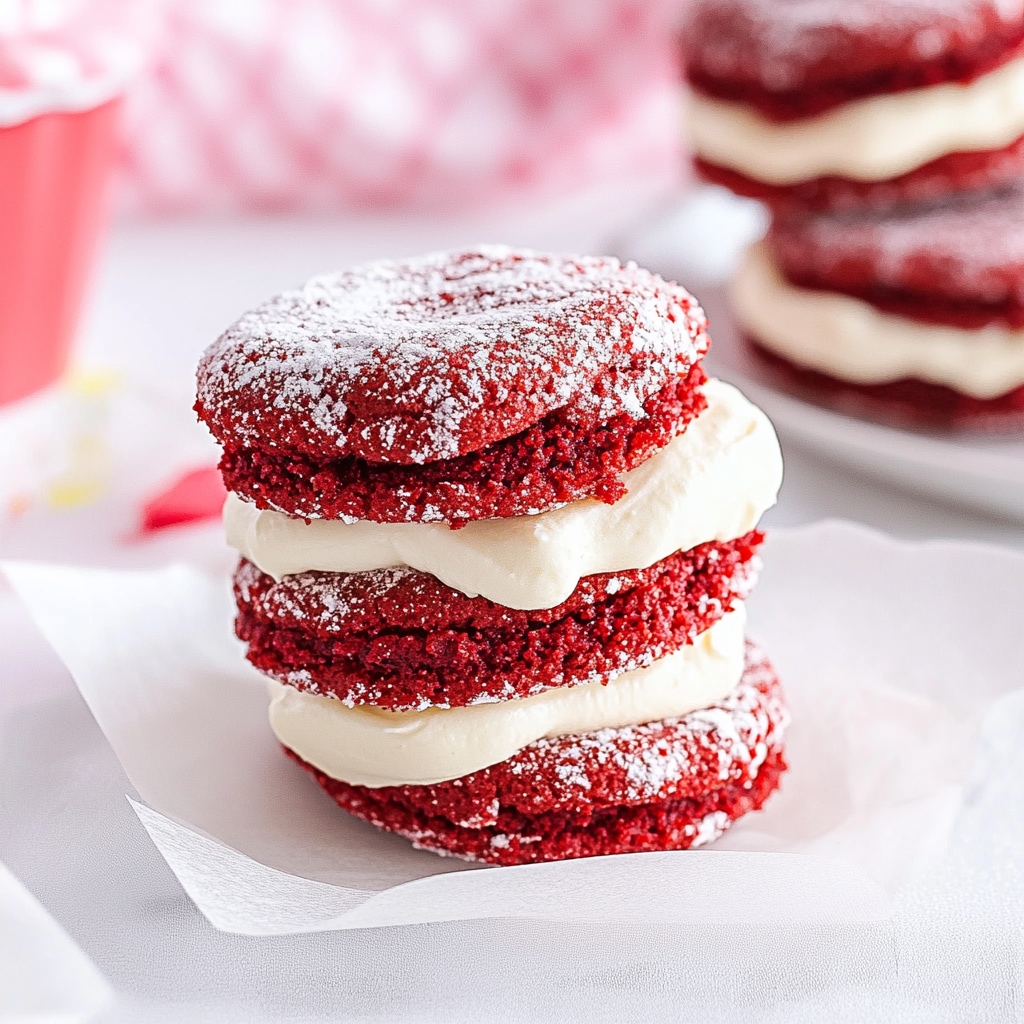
x=166, y=835
x=834, y=889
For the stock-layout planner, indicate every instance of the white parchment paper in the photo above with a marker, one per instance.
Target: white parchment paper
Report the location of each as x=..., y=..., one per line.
x=888, y=667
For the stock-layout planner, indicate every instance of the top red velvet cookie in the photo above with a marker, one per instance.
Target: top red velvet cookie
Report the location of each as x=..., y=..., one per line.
x=798, y=58
x=412, y=361
x=959, y=262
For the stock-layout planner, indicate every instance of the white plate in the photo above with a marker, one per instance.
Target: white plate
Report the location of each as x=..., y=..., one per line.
x=983, y=472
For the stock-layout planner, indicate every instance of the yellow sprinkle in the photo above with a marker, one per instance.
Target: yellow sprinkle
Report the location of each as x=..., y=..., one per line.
x=92, y=383
x=72, y=493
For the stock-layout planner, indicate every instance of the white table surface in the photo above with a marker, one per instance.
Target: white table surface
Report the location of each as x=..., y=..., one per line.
x=164, y=291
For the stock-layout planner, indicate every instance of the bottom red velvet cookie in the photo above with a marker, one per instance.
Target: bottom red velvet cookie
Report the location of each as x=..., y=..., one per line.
x=953, y=172
x=667, y=785
x=902, y=403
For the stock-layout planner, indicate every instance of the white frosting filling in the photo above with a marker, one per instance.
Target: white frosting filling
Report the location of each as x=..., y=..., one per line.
x=371, y=746
x=850, y=339
x=713, y=482
x=870, y=139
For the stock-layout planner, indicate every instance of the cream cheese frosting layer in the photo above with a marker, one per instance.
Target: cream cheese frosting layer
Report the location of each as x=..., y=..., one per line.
x=851, y=340
x=712, y=482
x=370, y=746
x=870, y=139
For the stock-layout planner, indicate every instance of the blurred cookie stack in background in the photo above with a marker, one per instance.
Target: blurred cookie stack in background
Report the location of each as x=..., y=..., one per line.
x=887, y=139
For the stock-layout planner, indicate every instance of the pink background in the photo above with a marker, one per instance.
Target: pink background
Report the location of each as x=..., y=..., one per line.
x=422, y=104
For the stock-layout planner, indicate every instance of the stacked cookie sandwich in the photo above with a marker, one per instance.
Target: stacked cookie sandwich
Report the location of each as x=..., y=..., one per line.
x=888, y=139
x=496, y=532
x=912, y=315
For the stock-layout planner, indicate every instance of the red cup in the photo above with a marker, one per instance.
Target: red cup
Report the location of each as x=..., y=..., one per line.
x=54, y=171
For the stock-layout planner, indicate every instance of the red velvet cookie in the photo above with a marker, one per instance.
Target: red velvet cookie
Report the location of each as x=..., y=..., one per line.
x=666, y=785
x=791, y=59
x=795, y=60
x=455, y=386
x=549, y=464
x=960, y=262
x=402, y=639
x=901, y=403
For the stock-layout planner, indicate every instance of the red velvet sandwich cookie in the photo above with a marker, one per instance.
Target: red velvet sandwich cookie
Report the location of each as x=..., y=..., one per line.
x=463, y=385
x=827, y=104
x=912, y=314
x=403, y=398
x=667, y=785
x=402, y=639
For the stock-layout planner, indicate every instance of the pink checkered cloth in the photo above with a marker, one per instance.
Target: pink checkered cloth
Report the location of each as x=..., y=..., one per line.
x=429, y=104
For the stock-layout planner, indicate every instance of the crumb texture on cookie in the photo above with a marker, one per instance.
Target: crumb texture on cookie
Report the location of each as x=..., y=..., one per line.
x=402, y=639
x=376, y=747
x=412, y=361
x=551, y=463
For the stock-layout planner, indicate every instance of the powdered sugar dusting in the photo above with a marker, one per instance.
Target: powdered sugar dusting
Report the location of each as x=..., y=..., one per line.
x=368, y=614
x=324, y=592
x=777, y=43
x=970, y=246
x=423, y=359
x=710, y=828
x=726, y=742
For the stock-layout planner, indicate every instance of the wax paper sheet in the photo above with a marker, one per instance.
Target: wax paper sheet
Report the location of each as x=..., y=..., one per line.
x=889, y=667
